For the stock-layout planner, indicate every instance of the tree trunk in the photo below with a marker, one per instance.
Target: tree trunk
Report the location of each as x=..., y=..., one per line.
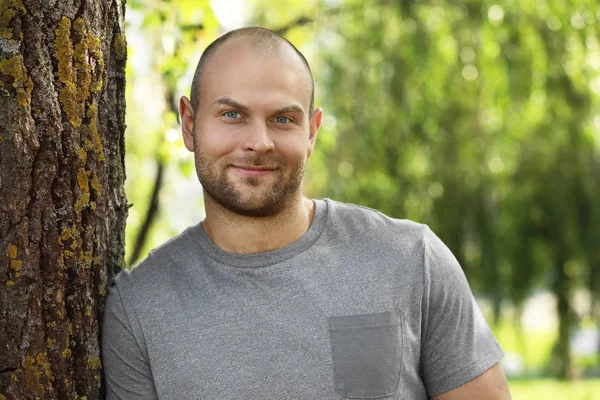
x=562, y=287
x=62, y=203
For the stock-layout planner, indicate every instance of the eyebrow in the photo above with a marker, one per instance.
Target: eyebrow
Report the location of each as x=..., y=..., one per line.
x=228, y=101
x=290, y=109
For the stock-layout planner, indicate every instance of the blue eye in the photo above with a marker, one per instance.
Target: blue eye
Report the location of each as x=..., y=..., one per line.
x=232, y=114
x=282, y=120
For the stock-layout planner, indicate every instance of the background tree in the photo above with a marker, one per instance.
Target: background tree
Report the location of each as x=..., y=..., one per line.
x=62, y=204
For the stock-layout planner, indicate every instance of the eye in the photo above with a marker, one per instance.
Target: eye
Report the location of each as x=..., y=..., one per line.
x=282, y=120
x=232, y=114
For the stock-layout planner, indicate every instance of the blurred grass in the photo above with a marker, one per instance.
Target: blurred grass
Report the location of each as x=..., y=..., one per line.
x=534, y=346
x=547, y=389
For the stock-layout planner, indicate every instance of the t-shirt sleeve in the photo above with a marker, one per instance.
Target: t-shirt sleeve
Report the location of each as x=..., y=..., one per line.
x=124, y=356
x=457, y=345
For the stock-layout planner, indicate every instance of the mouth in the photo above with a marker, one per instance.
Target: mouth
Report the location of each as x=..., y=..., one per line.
x=253, y=170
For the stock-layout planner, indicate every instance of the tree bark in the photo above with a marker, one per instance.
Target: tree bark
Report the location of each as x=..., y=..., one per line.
x=62, y=203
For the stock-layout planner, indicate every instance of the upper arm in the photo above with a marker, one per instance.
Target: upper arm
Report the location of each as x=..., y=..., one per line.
x=457, y=346
x=124, y=355
x=491, y=385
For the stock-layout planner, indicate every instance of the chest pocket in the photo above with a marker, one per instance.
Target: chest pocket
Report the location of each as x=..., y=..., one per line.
x=367, y=354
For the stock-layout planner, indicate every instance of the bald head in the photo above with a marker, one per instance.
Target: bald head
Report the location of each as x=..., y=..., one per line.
x=264, y=42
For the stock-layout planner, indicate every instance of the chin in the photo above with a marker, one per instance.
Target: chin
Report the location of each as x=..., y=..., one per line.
x=256, y=210
x=259, y=205
x=256, y=197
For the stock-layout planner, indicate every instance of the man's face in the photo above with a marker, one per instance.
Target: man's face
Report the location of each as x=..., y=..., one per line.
x=251, y=132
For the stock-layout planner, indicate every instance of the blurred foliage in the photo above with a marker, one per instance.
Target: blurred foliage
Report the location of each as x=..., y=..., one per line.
x=479, y=119
x=163, y=37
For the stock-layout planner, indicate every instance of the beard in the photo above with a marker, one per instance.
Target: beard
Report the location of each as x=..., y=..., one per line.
x=246, y=197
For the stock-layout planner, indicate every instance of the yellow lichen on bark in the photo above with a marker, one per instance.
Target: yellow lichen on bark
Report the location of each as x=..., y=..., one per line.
x=94, y=362
x=83, y=181
x=96, y=144
x=82, y=202
x=102, y=289
x=12, y=251
x=82, y=154
x=85, y=184
x=120, y=46
x=22, y=83
x=74, y=235
x=32, y=376
x=86, y=259
x=66, y=74
x=16, y=266
x=66, y=353
x=64, y=50
x=33, y=371
x=8, y=10
x=95, y=184
x=79, y=26
x=80, y=78
x=82, y=65
x=95, y=49
x=42, y=362
x=50, y=343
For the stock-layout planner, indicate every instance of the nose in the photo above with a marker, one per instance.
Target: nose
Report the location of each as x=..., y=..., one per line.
x=257, y=138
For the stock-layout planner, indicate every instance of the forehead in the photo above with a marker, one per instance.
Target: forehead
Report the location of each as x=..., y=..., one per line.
x=247, y=72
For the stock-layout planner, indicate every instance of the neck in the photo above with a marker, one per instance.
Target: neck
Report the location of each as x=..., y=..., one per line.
x=239, y=234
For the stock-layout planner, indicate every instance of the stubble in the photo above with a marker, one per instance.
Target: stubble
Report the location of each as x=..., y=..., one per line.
x=245, y=196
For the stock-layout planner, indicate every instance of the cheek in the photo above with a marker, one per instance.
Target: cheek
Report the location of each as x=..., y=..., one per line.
x=292, y=143
x=213, y=142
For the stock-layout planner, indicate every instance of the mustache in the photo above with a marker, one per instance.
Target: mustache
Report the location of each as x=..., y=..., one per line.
x=256, y=160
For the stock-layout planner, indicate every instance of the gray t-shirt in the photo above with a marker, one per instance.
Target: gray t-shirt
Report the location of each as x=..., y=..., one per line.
x=361, y=306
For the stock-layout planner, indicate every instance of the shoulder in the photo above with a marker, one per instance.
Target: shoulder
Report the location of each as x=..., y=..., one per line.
x=355, y=220
x=363, y=230
x=159, y=267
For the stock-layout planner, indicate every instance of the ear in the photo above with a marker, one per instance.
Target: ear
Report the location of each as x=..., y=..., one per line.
x=186, y=115
x=315, y=124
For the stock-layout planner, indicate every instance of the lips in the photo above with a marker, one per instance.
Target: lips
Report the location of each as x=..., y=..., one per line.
x=253, y=170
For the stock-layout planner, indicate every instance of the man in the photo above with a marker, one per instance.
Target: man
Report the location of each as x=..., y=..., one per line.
x=273, y=295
